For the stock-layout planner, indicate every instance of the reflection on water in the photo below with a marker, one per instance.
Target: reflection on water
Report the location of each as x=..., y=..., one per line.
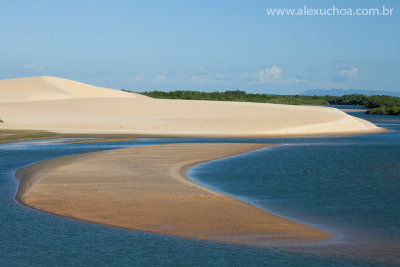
x=347, y=185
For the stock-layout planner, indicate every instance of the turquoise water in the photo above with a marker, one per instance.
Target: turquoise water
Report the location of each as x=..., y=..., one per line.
x=347, y=185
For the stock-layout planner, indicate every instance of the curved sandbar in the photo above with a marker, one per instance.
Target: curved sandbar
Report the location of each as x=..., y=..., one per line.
x=66, y=107
x=145, y=188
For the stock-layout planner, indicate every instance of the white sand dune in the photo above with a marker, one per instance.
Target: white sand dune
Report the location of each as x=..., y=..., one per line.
x=51, y=88
x=60, y=105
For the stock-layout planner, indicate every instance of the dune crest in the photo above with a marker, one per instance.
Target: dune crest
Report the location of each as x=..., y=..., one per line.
x=46, y=88
x=65, y=106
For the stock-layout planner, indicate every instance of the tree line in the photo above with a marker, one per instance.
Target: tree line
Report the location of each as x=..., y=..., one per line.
x=377, y=104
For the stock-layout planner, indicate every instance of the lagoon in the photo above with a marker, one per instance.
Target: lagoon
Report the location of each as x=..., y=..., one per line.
x=346, y=185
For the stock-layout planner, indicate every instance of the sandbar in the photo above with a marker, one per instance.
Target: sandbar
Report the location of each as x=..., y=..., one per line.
x=145, y=188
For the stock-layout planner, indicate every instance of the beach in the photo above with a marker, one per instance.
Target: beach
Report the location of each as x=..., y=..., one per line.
x=68, y=107
x=145, y=188
x=199, y=133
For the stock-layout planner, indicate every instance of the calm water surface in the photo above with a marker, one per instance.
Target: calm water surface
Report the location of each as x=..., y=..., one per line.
x=347, y=185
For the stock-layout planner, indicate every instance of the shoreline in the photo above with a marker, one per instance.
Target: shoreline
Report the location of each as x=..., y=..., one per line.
x=119, y=137
x=279, y=230
x=294, y=135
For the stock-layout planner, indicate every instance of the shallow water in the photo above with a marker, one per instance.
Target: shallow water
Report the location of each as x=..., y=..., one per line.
x=347, y=185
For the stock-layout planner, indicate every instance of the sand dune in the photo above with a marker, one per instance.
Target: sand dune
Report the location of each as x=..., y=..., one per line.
x=64, y=106
x=51, y=88
x=145, y=188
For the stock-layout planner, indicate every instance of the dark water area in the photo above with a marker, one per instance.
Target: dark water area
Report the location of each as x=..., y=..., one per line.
x=346, y=185
x=358, y=107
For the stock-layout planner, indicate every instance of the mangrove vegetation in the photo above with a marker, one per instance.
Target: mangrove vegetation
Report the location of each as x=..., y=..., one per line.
x=377, y=104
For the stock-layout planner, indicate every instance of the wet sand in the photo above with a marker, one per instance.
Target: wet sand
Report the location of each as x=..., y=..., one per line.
x=146, y=189
x=100, y=140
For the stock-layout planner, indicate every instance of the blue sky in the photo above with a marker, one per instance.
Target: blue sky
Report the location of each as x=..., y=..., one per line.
x=201, y=45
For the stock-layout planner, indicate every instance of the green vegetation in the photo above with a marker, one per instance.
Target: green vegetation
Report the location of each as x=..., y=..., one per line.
x=378, y=104
x=240, y=96
x=385, y=111
x=7, y=136
x=1, y=121
x=20, y=135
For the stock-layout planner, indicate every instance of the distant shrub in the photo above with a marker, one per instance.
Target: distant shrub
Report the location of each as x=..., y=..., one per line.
x=393, y=110
x=385, y=111
x=378, y=111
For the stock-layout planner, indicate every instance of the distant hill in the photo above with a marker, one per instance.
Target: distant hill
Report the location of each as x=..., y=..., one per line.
x=341, y=92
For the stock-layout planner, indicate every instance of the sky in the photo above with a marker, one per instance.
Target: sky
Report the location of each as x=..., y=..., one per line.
x=205, y=45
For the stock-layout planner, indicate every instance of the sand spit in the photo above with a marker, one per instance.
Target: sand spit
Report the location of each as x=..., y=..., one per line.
x=145, y=188
x=69, y=107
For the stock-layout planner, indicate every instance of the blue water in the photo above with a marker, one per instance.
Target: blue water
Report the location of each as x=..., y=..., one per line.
x=346, y=106
x=346, y=185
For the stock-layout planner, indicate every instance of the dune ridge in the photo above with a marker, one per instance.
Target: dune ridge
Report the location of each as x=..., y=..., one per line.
x=64, y=106
x=46, y=88
x=146, y=188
